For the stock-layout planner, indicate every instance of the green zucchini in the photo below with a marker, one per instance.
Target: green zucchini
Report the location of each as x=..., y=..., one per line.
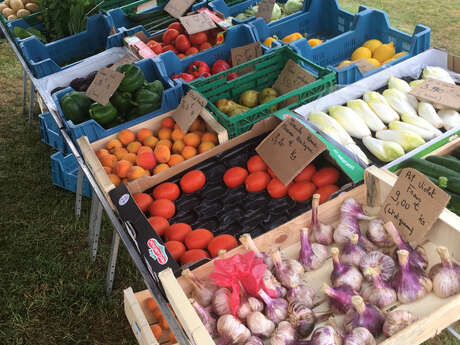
x=456, y=153
x=454, y=203
x=446, y=161
x=429, y=168
x=450, y=183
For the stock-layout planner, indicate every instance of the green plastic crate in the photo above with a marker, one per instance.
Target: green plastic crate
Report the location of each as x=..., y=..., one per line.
x=266, y=71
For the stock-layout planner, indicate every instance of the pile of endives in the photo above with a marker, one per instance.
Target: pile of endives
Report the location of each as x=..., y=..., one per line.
x=400, y=122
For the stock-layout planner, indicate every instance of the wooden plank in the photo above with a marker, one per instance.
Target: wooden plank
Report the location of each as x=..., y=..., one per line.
x=454, y=142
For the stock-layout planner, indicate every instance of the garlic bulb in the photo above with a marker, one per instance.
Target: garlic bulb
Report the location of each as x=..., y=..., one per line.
x=445, y=276
x=276, y=309
x=352, y=253
x=253, y=340
x=378, y=293
x=284, y=334
x=259, y=325
x=312, y=255
x=364, y=315
x=377, y=234
x=203, y=291
x=208, y=321
x=231, y=330
x=248, y=243
x=339, y=297
x=397, y=320
x=221, y=302
x=301, y=292
x=343, y=274
x=381, y=263
x=286, y=273
x=359, y=336
x=272, y=286
x=301, y=318
x=320, y=233
x=326, y=335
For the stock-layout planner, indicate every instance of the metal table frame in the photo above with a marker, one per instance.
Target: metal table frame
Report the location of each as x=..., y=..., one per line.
x=98, y=204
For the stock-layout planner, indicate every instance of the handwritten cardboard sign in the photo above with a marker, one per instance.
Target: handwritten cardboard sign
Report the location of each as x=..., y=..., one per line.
x=127, y=59
x=104, y=85
x=289, y=149
x=146, y=6
x=199, y=22
x=265, y=9
x=438, y=92
x=364, y=66
x=244, y=54
x=190, y=107
x=413, y=205
x=177, y=8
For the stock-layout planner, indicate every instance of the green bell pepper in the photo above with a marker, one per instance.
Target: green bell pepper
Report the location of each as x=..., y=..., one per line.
x=75, y=106
x=146, y=102
x=155, y=86
x=133, y=80
x=122, y=101
x=103, y=114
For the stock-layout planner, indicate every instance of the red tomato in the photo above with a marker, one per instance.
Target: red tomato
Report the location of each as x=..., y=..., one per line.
x=198, y=239
x=257, y=181
x=198, y=38
x=180, y=55
x=235, y=177
x=163, y=208
x=271, y=172
x=177, y=232
x=143, y=201
x=182, y=43
x=191, y=51
x=193, y=255
x=159, y=224
x=170, y=35
x=192, y=181
x=301, y=191
x=205, y=45
x=168, y=47
x=177, y=26
x=176, y=249
x=325, y=176
x=220, y=242
x=325, y=192
x=306, y=174
x=256, y=163
x=166, y=190
x=276, y=188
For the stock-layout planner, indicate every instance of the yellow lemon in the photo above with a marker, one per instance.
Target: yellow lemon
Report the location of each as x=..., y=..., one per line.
x=397, y=56
x=387, y=61
x=344, y=63
x=314, y=42
x=372, y=45
x=384, y=52
x=361, y=53
x=373, y=61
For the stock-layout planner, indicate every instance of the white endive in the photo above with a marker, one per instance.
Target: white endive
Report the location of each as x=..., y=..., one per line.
x=425, y=134
x=420, y=122
x=380, y=106
x=414, y=83
x=427, y=112
x=403, y=86
x=450, y=118
x=399, y=101
x=365, y=112
x=330, y=126
x=350, y=121
x=437, y=73
x=386, y=151
x=353, y=148
x=407, y=139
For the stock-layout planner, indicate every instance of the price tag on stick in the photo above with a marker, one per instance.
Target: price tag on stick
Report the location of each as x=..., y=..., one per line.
x=104, y=85
x=265, y=9
x=190, y=107
x=199, y=22
x=438, y=92
x=244, y=54
x=177, y=8
x=289, y=149
x=413, y=205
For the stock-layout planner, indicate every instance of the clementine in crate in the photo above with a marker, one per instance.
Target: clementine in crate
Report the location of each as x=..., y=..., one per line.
x=121, y=168
x=146, y=160
x=113, y=144
x=175, y=159
x=178, y=146
x=205, y=146
x=168, y=122
x=135, y=172
x=162, y=153
x=160, y=167
x=101, y=152
x=151, y=304
x=130, y=157
x=192, y=139
x=157, y=314
x=177, y=134
x=143, y=201
x=188, y=152
x=197, y=125
x=163, y=208
x=120, y=152
x=165, y=142
x=199, y=133
x=134, y=146
x=166, y=190
x=212, y=137
x=109, y=160
x=144, y=148
x=157, y=331
x=159, y=224
x=115, y=179
x=164, y=133
x=150, y=141
x=126, y=136
x=143, y=133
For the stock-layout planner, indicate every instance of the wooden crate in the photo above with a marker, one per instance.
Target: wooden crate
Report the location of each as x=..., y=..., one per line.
x=434, y=313
x=454, y=142
x=89, y=152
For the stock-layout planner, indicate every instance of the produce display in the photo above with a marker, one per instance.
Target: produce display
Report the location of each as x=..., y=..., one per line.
x=200, y=69
x=261, y=297
x=145, y=153
x=248, y=99
x=133, y=98
x=280, y=10
x=375, y=52
x=176, y=39
x=161, y=327
x=13, y=9
x=291, y=38
x=387, y=124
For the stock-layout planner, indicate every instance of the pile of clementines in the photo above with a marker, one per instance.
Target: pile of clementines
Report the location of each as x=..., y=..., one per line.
x=162, y=326
x=145, y=153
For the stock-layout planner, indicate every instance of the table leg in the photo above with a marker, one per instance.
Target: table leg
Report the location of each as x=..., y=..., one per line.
x=31, y=103
x=94, y=225
x=112, y=263
x=24, y=91
x=79, y=192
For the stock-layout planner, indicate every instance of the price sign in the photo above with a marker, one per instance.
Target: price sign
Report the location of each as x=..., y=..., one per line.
x=244, y=54
x=265, y=9
x=177, y=8
x=104, y=85
x=289, y=149
x=199, y=22
x=364, y=66
x=438, y=92
x=413, y=205
x=190, y=107
x=146, y=6
x=127, y=59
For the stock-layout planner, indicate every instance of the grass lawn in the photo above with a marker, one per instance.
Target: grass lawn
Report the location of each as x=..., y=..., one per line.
x=50, y=291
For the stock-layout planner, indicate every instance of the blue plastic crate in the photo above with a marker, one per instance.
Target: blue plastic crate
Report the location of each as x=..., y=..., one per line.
x=368, y=24
x=50, y=134
x=322, y=19
x=45, y=59
x=64, y=172
x=235, y=36
x=170, y=100
x=234, y=10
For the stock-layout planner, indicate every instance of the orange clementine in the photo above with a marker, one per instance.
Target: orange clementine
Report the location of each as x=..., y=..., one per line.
x=115, y=179
x=108, y=160
x=188, y=152
x=121, y=168
x=205, y=146
x=135, y=172
x=144, y=148
x=134, y=146
x=162, y=153
x=175, y=159
x=113, y=144
x=146, y=160
x=101, y=152
x=208, y=136
x=150, y=141
x=160, y=167
x=164, y=133
x=178, y=146
x=197, y=125
x=120, y=152
x=130, y=157
x=168, y=122
x=165, y=142
x=177, y=134
x=126, y=136
x=143, y=133
x=192, y=139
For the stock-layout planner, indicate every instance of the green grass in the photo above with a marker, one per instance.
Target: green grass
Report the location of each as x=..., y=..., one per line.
x=50, y=291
